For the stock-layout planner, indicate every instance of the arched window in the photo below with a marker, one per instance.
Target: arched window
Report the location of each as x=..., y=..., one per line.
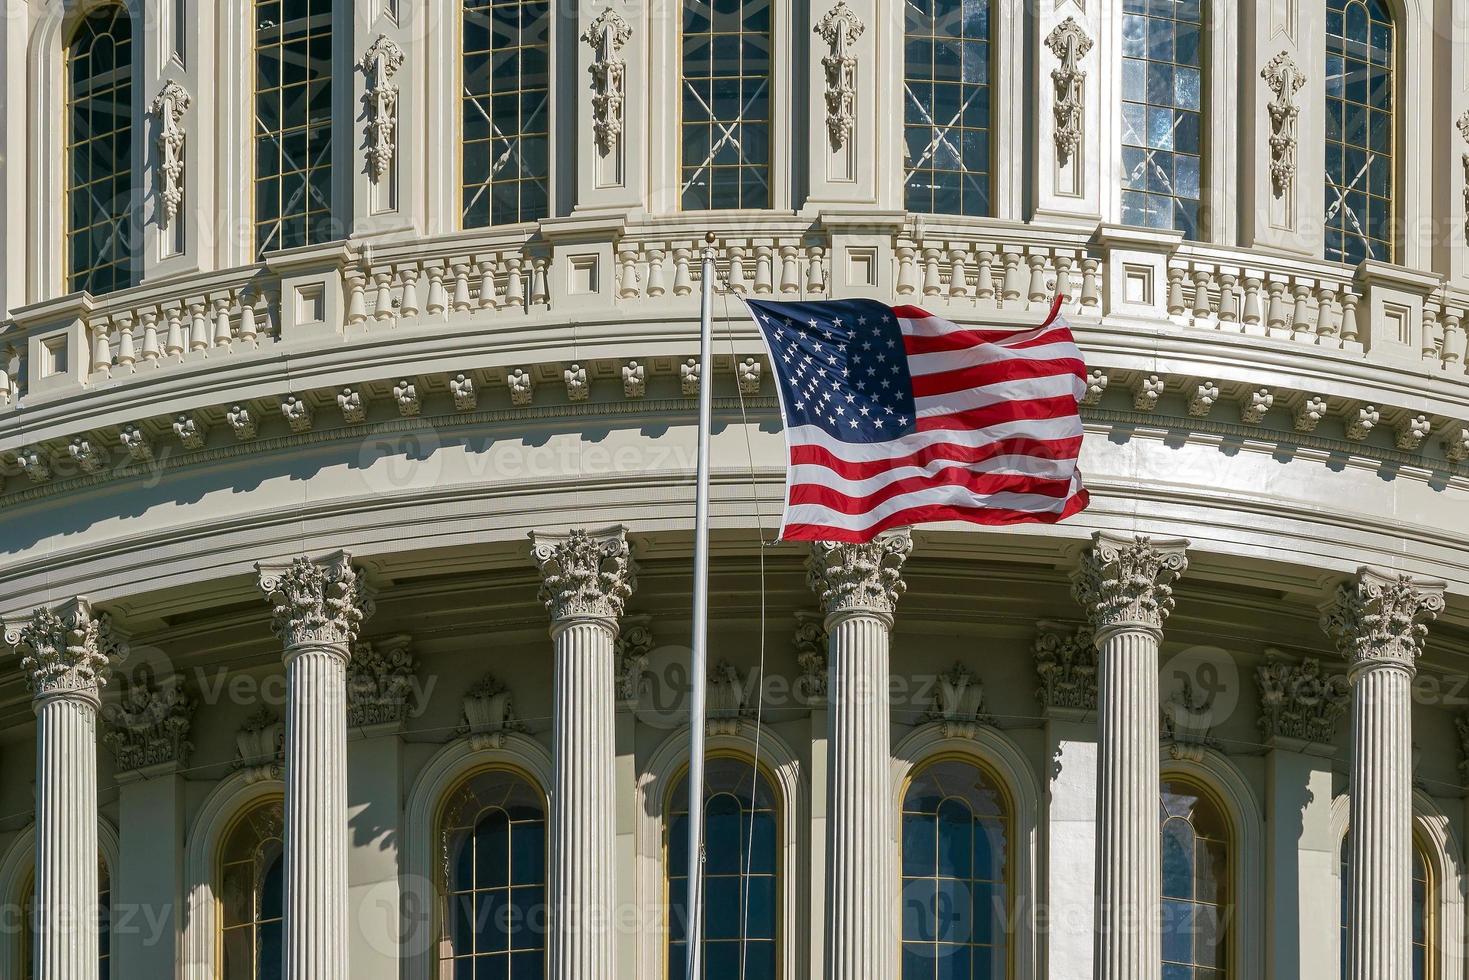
x=99, y=149
x=493, y=900
x=946, y=107
x=1359, y=130
x=293, y=123
x=741, y=876
x=104, y=925
x=506, y=163
x=1423, y=905
x=725, y=124
x=1196, y=899
x=956, y=872
x=252, y=895
x=1162, y=122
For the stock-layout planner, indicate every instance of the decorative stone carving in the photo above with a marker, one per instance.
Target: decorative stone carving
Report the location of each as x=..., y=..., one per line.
x=260, y=746
x=189, y=432
x=1300, y=701
x=1412, y=430
x=1252, y=410
x=688, y=376
x=747, y=373
x=607, y=35
x=353, y=406
x=1096, y=387
x=241, y=422
x=405, y=395
x=634, y=644
x=1310, y=414
x=727, y=699
x=1382, y=618
x=1285, y=80
x=811, y=644
x=634, y=380
x=1186, y=723
x=68, y=650
x=1463, y=125
x=297, y=412
x=135, y=441
x=1066, y=661
x=1461, y=724
x=1069, y=43
x=1145, y=395
x=85, y=455
x=522, y=387
x=1456, y=443
x=380, y=63
x=1203, y=399
x=840, y=28
x=380, y=681
x=864, y=578
x=461, y=388
x=34, y=463
x=584, y=574
x=168, y=108
x=150, y=726
x=958, y=704
x=578, y=387
x=489, y=714
x=319, y=602
x=1127, y=582
x=1362, y=423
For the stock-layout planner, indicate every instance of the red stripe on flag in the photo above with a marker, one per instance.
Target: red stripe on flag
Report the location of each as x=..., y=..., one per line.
x=933, y=512
x=963, y=340
x=813, y=455
x=982, y=484
x=981, y=375
x=978, y=418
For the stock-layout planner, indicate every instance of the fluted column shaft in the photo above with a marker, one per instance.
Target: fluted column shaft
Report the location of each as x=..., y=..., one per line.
x=582, y=800
x=1379, y=622
x=1125, y=584
x=586, y=578
x=316, y=814
x=859, y=824
x=66, y=837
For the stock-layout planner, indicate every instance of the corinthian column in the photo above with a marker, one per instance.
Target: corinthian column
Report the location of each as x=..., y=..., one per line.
x=1125, y=584
x=1379, y=623
x=859, y=586
x=319, y=605
x=585, y=580
x=65, y=657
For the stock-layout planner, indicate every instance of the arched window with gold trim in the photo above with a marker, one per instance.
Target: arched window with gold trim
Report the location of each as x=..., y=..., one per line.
x=956, y=873
x=252, y=895
x=104, y=925
x=1197, y=851
x=492, y=911
x=1424, y=899
x=99, y=152
x=741, y=873
x=1360, y=61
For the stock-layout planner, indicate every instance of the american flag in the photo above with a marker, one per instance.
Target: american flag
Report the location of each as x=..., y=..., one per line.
x=895, y=417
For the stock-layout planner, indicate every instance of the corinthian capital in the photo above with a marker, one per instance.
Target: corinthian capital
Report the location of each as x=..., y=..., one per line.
x=1380, y=617
x=1127, y=582
x=584, y=574
x=66, y=650
x=859, y=577
x=316, y=601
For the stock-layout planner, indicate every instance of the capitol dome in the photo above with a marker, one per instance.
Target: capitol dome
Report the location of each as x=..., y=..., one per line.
x=349, y=371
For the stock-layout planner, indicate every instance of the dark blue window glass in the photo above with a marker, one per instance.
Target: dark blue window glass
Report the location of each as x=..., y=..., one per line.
x=252, y=896
x=1359, y=131
x=947, y=160
x=725, y=105
x=1196, y=899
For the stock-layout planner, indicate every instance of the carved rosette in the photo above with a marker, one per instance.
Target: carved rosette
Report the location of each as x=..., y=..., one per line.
x=380, y=62
x=380, y=681
x=958, y=704
x=1300, y=701
x=607, y=35
x=634, y=644
x=1126, y=583
x=1285, y=80
x=840, y=29
x=66, y=651
x=1069, y=43
x=150, y=726
x=318, y=602
x=811, y=642
x=1381, y=619
x=584, y=575
x=1066, y=662
x=169, y=107
x=859, y=578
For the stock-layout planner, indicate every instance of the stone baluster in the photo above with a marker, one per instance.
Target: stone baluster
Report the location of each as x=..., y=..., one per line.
x=657, y=287
x=1037, y=291
x=101, y=352
x=1379, y=623
x=1065, y=283
x=173, y=344
x=1013, y=276
x=736, y=275
x=65, y=656
x=249, y=330
x=1091, y=291
x=1326, y=325
x=1228, y=300
x=409, y=274
x=356, y=296
x=489, y=298
x=1125, y=585
x=318, y=606
x=683, y=282
x=586, y=579
x=223, y=329
x=816, y=270
x=1453, y=340
x=1433, y=335
x=382, y=304
x=461, y=301
x=984, y=283
x=958, y=272
x=1252, y=306
x=907, y=271
x=931, y=285
x=1301, y=327
x=438, y=299
x=538, y=294
x=1202, y=309
x=628, y=286
x=1349, y=301
x=199, y=331
x=790, y=271
x=1275, y=310
x=126, y=350
x=151, y=350
x=514, y=284
x=858, y=586
x=1176, y=305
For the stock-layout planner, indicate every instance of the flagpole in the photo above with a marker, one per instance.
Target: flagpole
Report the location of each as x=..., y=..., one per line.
x=698, y=667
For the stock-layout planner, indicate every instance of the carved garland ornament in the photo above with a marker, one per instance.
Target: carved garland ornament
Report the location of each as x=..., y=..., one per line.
x=1128, y=582
x=634, y=645
x=169, y=108
x=1379, y=618
x=380, y=681
x=1067, y=664
x=70, y=650
x=317, y=602
x=840, y=29
x=607, y=35
x=1069, y=43
x=584, y=575
x=380, y=63
x=150, y=726
x=859, y=577
x=811, y=642
x=1300, y=700
x=1285, y=80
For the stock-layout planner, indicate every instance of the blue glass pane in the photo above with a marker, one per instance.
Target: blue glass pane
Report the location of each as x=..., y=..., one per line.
x=918, y=915
x=1178, y=859
x=492, y=850
x=919, y=844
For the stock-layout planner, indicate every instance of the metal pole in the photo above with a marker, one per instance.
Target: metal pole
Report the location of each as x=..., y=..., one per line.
x=698, y=668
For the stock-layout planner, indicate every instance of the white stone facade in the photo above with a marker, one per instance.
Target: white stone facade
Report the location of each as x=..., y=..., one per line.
x=298, y=491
